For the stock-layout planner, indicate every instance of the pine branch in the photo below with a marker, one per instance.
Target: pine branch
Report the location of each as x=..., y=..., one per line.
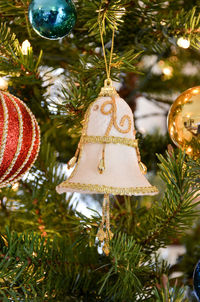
x=12, y=59
x=33, y=267
x=177, y=211
x=165, y=292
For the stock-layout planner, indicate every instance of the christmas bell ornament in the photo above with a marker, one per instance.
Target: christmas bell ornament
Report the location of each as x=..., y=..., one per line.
x=19, y=139
x=184, y=121
x=108, y=157
x=52, y=19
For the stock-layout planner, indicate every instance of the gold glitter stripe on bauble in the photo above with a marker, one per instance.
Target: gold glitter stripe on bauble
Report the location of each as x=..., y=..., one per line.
x=19, y=144
x=108, y=189
x=20, y=139
x=5, y=129
x=13, y=179
x=110, y=140
x=34, y=125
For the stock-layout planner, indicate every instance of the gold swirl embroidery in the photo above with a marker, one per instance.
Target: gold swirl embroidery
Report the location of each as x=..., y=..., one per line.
x=113, y=120
x=107, y=113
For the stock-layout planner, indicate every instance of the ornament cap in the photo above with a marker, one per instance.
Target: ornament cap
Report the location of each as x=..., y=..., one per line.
x=108, y=89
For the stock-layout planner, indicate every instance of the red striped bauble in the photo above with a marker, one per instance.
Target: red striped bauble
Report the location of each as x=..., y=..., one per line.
x=19, y=139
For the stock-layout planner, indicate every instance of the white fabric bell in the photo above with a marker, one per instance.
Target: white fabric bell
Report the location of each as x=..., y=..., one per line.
x=122, y=174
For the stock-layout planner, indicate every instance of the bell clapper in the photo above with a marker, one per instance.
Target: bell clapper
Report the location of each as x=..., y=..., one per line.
x=101, y=166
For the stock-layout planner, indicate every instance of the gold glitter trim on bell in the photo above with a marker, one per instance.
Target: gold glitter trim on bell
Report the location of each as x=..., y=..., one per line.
x=110, y=140
x=108, y=189
x=108, y=89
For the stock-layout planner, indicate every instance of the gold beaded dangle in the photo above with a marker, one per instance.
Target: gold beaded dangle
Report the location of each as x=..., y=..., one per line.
x=71, y=163
x=142, y=166
x=101, y=234
x=104, y=234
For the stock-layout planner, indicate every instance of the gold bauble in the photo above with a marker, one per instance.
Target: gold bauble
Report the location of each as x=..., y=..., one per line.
x=184, y=121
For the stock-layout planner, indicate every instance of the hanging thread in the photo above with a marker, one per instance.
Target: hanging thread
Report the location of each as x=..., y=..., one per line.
x=108, y=67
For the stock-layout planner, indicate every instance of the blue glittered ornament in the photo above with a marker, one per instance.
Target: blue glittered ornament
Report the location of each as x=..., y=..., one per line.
x=52, y=19
x=196, y=280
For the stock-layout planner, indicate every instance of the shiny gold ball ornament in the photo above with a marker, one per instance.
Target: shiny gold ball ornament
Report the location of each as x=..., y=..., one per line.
x=184, y=121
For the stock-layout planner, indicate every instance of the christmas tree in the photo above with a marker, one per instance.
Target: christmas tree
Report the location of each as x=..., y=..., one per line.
x=48, y=246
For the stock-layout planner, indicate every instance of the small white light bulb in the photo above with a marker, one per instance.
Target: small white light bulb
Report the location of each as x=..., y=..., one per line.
x=167, y=71
x=189, y=150
x=15, y=186
x=183, y=43
x=25, y=47
x=3, y=84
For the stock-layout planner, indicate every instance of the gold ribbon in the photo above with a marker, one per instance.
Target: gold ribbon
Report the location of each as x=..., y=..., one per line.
x=110, y=140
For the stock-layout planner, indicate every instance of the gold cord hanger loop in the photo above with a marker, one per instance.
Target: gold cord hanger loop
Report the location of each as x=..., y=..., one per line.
x=108, y=67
